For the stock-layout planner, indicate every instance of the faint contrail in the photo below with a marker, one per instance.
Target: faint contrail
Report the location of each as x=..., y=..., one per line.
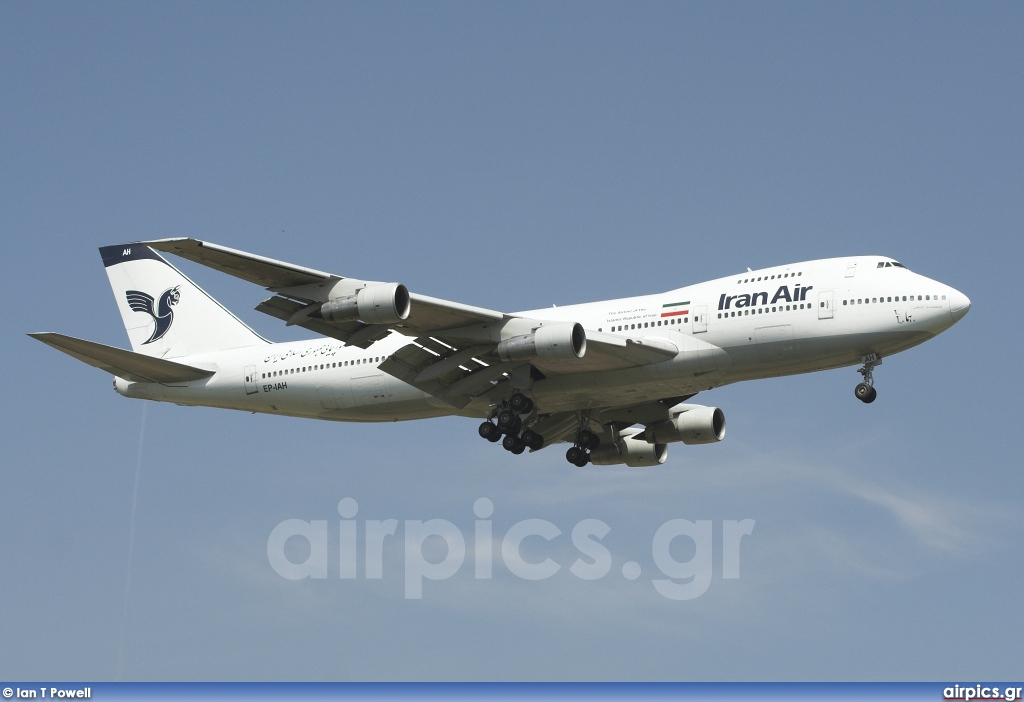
x=131, y=548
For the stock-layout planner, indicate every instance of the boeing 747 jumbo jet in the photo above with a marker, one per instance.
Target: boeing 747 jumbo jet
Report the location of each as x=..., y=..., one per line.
x=612, y=379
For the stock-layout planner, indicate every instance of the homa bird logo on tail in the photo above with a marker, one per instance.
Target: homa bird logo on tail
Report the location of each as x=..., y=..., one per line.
x=162, y=317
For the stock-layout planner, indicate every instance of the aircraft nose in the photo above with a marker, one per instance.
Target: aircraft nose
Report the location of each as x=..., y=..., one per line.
x=959, y=305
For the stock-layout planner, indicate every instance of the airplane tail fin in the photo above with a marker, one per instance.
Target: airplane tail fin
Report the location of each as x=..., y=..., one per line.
x=166, y=314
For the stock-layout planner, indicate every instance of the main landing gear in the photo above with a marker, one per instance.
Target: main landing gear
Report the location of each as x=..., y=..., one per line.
x=508, y=422
x=579, y=454
x=865, y=391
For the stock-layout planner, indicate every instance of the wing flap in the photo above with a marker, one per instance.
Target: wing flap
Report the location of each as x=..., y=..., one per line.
x=450, y=374
x=124, y=364
x=352, y=333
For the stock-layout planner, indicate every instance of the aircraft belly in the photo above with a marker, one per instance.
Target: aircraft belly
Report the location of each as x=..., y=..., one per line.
x=823, y=352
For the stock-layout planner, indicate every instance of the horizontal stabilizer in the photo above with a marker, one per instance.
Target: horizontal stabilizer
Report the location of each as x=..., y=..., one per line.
x=124, y=364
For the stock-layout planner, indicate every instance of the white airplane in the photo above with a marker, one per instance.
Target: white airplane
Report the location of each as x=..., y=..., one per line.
x=612, y=378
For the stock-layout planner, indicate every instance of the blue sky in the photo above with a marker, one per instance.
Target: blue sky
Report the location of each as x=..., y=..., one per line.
x=514, y=156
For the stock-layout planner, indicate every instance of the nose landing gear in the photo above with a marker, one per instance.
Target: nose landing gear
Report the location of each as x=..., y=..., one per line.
x=865, y=391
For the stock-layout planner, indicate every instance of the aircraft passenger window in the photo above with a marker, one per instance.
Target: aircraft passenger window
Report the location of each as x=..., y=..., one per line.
x=943, y=297
x=918, y=297
x=927, y=297
x=787, y=308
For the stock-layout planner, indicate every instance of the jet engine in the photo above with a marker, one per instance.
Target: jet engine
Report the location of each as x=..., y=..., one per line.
x=695, y=424
x=386, y=303
x=564, y=340
x=631, y=451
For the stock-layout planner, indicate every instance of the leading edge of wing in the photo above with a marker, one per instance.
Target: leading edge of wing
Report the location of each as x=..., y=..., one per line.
x=260, y=270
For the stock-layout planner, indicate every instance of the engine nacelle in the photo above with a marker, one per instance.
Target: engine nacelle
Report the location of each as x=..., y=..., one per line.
x=387, y=303
x=564, y=340
x=635, y=453
x=696, y=424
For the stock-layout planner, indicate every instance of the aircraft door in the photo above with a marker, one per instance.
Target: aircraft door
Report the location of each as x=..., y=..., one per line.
x=251, y=387
x=826, y=300
x=700, y=319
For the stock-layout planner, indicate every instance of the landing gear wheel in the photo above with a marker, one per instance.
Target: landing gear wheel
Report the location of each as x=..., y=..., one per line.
x=489, y=431
x=513, y=444
x=533, y=440
x=865, y=393
x=506, y=420
x=577, y=456
x=520, y=403
x=587, y=440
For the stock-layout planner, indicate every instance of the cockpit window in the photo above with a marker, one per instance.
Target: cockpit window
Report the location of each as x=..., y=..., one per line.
x=890, y=264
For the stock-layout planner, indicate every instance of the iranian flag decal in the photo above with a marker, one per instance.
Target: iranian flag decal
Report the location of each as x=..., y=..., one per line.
x=674, y=309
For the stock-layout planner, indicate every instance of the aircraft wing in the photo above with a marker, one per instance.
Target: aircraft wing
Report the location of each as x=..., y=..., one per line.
x=255, y=269
x=301, y=291
x=452, y=350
